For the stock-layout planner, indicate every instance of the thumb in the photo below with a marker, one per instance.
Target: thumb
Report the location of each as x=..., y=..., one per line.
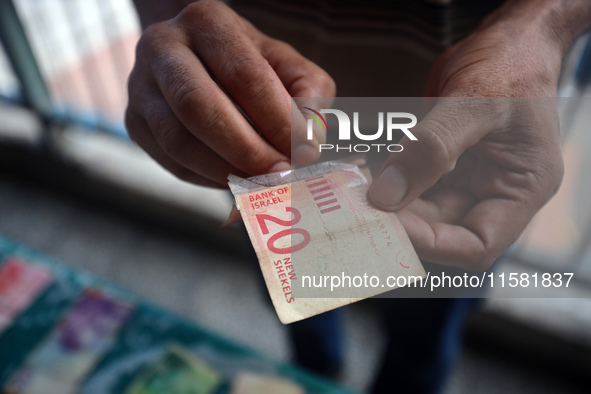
x=451, y=127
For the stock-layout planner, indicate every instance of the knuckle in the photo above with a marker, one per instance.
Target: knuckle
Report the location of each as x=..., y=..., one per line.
x=193, y=11
x=153, y=40
x=169, y=143
x=242, y=73
x=437, y=144
x=186, y=93
x=202, y=13
x=152, y=32
x=211, y=118
x=169, y=135
x=200, y=109
x=200, y=112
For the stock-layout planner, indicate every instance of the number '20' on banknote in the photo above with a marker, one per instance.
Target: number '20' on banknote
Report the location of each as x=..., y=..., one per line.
x=315, y=223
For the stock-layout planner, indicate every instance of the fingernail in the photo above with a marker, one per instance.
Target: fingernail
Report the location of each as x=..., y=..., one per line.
x=281, y=166
x=304, y=154
x=390, y=188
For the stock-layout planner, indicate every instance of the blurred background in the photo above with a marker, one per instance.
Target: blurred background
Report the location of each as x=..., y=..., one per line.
x=74, y=187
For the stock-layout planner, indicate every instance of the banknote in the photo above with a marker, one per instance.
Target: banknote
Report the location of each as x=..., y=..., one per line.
x=314, y=225
x=254, y=383
x=20, y=284
x=83, y=335
x=176, y=372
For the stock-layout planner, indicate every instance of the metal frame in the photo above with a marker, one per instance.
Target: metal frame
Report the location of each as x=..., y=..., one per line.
x=24, y=64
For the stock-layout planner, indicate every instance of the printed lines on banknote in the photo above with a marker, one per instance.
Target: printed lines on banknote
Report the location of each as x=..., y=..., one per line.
x=322, y=191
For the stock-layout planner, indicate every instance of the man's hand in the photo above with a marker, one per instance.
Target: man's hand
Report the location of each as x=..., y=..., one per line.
x=191, y=74
x=488, y=155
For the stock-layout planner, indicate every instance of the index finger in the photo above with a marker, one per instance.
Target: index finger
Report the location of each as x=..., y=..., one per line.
x=198, y=102
x=231, y=49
